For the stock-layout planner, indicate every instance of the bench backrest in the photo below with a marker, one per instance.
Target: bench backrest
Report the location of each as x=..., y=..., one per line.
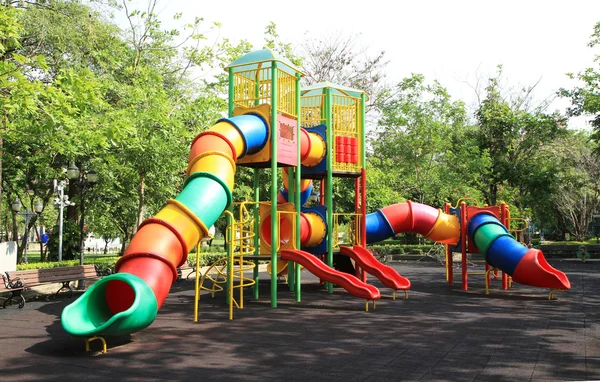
x=35, y=277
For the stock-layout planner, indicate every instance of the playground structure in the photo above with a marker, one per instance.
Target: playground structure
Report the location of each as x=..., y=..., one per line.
x=314, y=134
x=486, y=230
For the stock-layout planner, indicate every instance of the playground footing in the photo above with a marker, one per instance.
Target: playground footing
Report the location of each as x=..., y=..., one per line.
x=439, y=333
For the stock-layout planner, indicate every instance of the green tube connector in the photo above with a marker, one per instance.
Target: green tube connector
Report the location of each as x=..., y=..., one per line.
x=90, y=315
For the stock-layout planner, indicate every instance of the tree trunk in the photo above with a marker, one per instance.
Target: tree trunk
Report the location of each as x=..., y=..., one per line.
x=493, y=194
x=142, y=195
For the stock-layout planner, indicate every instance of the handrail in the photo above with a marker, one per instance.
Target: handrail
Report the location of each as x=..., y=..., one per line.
x=465, y=199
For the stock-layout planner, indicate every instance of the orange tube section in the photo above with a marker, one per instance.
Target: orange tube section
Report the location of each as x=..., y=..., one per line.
x=312, y=148
x=162, y=243
x=425, y=220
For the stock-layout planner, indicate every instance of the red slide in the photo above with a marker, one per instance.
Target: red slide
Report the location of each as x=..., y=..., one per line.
x=315, y=266
x=387, y=275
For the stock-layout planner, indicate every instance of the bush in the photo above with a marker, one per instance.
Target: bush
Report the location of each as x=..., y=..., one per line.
x=70, y=242
x=104, y=264
x=206, y=258
x=401, y=249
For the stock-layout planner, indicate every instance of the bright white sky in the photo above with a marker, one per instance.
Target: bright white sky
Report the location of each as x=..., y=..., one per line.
x=450, y=41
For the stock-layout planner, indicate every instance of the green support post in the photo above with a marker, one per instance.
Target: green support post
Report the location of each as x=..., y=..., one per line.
x=329, y=189
x=255, y=211
x=230, y=107
x=231, y=93
x=297, y=274
x=274, y=220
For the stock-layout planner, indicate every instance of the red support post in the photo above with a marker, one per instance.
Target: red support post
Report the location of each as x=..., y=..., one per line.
x=505, y=215
x=463, y=243
x=449, y=264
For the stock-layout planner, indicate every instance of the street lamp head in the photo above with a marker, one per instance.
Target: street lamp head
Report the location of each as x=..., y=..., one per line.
x=38, y=206
x=92, y=177
x=16, y=205
x=73, y=172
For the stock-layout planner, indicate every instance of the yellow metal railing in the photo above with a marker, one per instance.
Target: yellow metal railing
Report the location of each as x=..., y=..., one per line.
x=311, y=110
x=254, y=87
x=239, y=243
x=353, y=231
x=517, y=232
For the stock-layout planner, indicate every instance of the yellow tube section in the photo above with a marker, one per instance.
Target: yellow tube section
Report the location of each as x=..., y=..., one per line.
x=314, y=151
x=446, y=229
x=315, y=232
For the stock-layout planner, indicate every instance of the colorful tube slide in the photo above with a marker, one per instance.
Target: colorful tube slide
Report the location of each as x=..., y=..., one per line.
x=526, y=265
x=315, y=266
x=501, y=250
x=409, y=217
x=387, y=275
x=128, y=300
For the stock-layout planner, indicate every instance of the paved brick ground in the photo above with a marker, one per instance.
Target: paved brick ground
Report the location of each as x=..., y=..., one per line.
x=438, y=334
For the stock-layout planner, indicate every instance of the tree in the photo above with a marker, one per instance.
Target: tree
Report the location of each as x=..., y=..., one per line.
x=585, y=99
x=340, y=59
x=510, y=134
x=415, y=143
x=576, y=184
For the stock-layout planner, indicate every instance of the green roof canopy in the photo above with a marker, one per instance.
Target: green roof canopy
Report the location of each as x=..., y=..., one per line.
x=263, y=58
x=319, y=88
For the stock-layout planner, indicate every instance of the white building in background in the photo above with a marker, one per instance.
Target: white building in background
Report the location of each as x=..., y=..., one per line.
x=94, y=244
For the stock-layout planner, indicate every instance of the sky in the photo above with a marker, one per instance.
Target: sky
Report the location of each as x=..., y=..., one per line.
x=454, y=42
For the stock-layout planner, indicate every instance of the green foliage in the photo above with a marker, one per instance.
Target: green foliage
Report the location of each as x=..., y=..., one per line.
x=70, y=242
x=102, y=263
x=511, y=135
x=402, y=249
x=585, y=99
x=418, y=150
x=206, y=258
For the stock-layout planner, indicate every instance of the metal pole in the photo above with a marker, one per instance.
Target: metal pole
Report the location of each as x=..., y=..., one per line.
x=81, y=283
x=61, y=205
x=26, y=234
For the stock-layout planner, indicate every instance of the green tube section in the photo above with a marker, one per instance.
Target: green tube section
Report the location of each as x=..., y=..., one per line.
x=486, y=234
x=206, y=196
x=78, y=320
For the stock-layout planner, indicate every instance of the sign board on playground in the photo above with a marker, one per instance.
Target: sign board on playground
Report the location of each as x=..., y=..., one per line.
x=8, y=256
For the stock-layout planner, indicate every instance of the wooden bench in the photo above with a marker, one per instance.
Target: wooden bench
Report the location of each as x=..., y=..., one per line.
x=18, y=281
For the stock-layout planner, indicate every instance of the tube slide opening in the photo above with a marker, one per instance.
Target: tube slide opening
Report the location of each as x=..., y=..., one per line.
x=286, y=230
x=119, y=296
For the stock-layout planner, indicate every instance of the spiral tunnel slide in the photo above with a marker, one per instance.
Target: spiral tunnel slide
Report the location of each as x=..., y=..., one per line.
x=500, y=249
x=128, y=300
x=526, y=265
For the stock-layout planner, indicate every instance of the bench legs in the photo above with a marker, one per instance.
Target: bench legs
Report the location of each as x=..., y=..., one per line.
x=66, y=285
x=18, y=294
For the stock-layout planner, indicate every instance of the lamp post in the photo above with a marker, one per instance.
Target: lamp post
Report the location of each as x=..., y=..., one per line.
x=84, y=180
x=61, y=201
x=16, y=207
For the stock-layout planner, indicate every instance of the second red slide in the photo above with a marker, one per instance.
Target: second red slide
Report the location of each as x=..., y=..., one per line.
x=315, y=266
x=387, y=275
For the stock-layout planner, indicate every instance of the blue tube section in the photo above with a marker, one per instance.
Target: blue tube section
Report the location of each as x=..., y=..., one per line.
x=304, y=195
x=505, y=253
x=481, y=219
x=378, y=227
x=253, y=129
